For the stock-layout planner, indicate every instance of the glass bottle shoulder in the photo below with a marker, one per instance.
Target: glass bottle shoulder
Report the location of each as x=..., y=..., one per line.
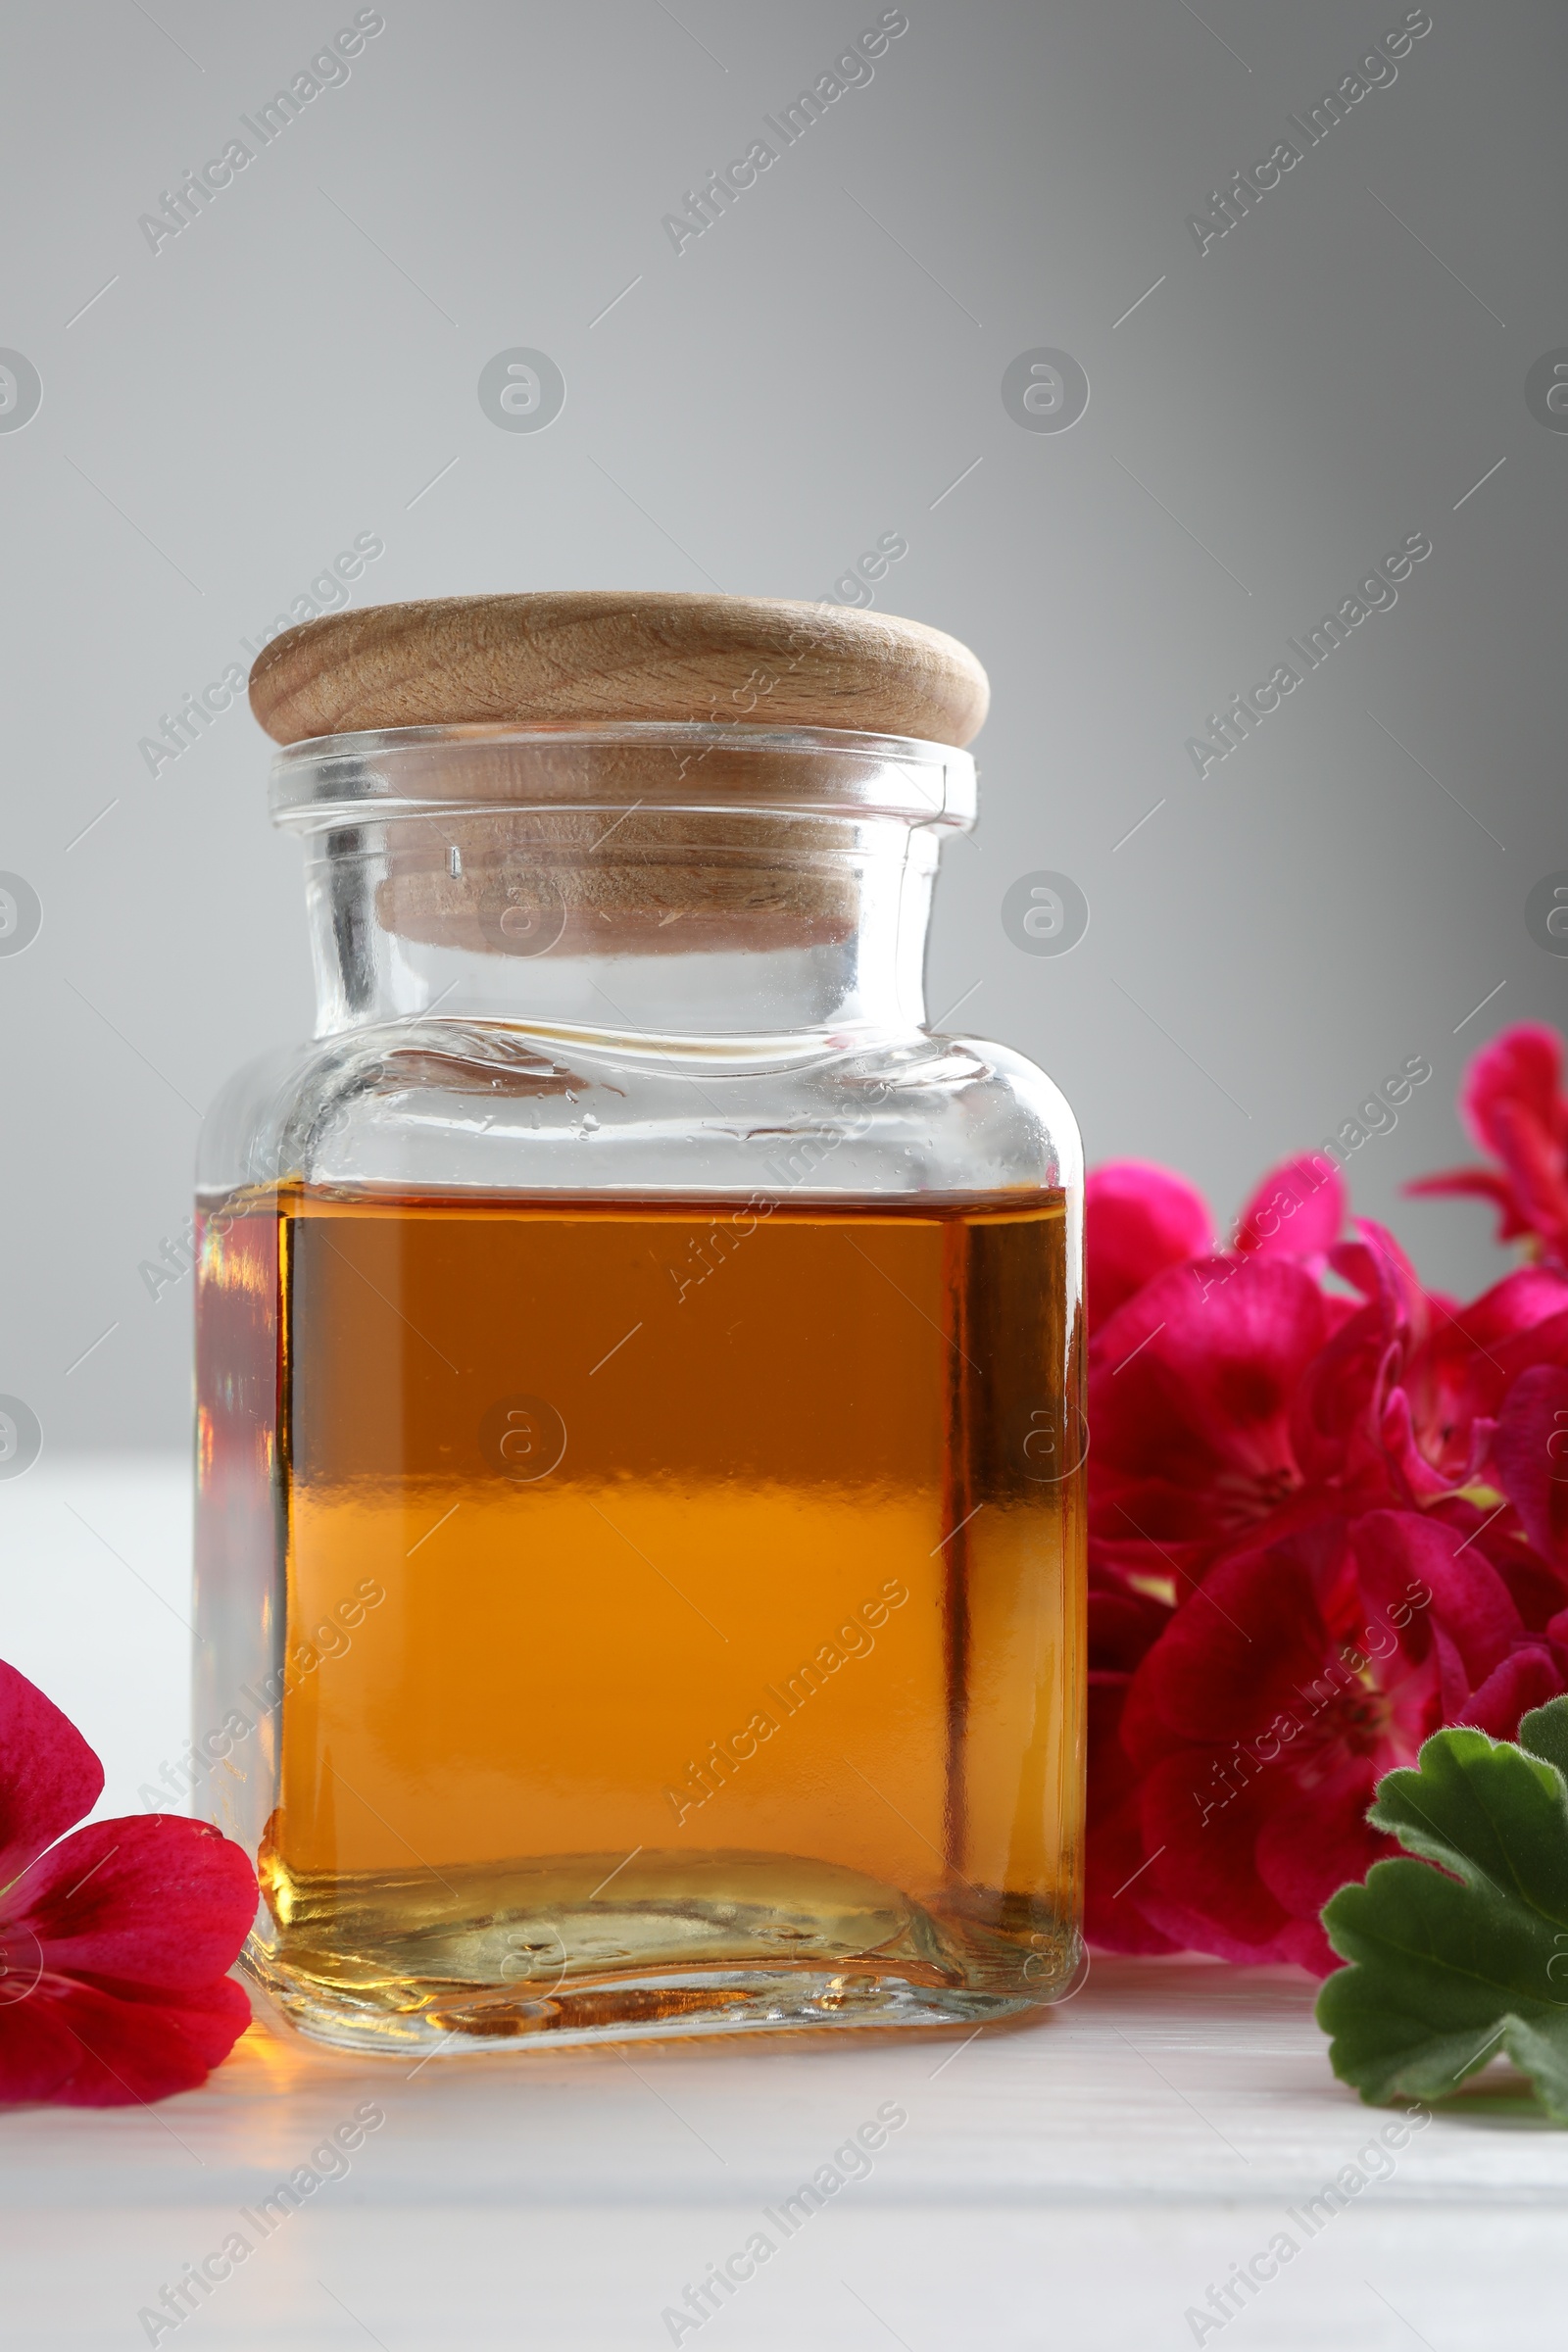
x=439, y=1105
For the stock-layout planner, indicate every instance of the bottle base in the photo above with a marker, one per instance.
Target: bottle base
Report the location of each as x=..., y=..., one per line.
x=537, y=1951
x=636, y=2009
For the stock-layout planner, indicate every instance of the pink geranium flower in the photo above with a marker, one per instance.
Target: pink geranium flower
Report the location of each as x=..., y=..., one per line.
x=1275, y=1425
x=1138, y=1219
x=1262, y=1720
x=1514, y=1105
x=114, y=1941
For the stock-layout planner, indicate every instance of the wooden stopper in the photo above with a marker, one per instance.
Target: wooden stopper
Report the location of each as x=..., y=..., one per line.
x=547, y=883
x=611, y=655
x=510, y=880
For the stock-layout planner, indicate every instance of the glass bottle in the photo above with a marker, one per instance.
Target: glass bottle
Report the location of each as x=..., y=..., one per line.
x=640, y=1439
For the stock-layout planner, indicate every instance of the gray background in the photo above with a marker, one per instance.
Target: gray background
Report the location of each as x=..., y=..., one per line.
x=814, y=371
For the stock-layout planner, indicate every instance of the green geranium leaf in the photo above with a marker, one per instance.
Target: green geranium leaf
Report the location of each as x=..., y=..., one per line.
x=1449, y=1966
x=1544, y=1733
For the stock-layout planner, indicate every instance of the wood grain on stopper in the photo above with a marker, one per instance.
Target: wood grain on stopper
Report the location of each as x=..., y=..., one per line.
x=611, y=655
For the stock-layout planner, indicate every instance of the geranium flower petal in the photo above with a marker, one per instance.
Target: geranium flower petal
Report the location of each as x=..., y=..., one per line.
x=1403, y=1554
x=1530, y=1303
x=1137, y=1220
x=1396, y=1428
x=1204, y=1888
x=152, y=1899
x=1375, y=1264
x=1527, y=1678
x=1232, y=1659
x=49, y=1776
x=1474, y=1184
x=90, y=2045
x=1115, y=1861
x=1193, y=1377
x=1529, y=1454
x=1514, y=1106
x=1457, y=1379
x=1298, y=1209
x=1314, y=1842
x=1335, y=1420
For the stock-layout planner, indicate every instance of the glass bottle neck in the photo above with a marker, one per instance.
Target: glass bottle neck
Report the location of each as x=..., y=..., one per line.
x=748, y=943
x=719, y=884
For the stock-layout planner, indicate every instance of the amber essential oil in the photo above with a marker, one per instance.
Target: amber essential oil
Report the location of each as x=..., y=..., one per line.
x=678, y=1614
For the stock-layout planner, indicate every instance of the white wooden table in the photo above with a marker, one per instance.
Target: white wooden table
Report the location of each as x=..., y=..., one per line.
x=1077, y=2183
